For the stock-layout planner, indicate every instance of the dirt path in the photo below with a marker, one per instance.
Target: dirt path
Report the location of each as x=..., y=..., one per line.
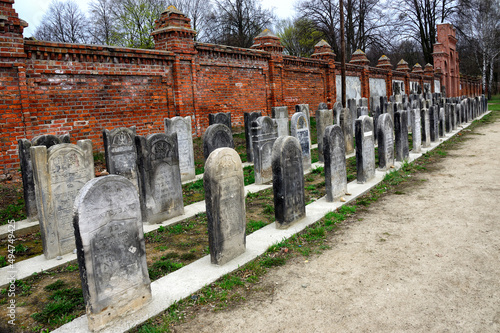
x=424, y=261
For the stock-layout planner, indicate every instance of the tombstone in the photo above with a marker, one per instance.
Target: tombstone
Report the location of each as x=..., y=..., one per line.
x=160, y=187
x=111, y=250
x=24, y=153
x=401, y=129
x=300, y=130
x=442, y=123
x=59, y=173
x=264, y=133
x=416, y=131
x=324, y=118
x=352, y=106
x=345, y=122
x=280, y=113
x=365, y=149
x=376, y=114
x=447, y=117
x=390, y=109
x=385, y=129
x=182, y=126
x=220, y=118
x=454, y=116
x=288, y=181
x=425, y=128
x=225, y=204
x=249, y=118
x=374, y=103
x=119, y=150
x=337, y=111
x=362, y=111
x=335, y=163
x=434, y=123
x=216, y=136
x=304, y=108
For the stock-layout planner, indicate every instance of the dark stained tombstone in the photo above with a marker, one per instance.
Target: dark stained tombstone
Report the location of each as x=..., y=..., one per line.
x=182, y=127
x=425, y=127
x=225, y=204
x=300, y=130
x=288, y=182
x=264, y=133
x=111, y=250
x=220, y=118
x=304, y=108
x=365, y=149
x=249, y=118
x=447, y=117
x=160, y=186
x=216, y=136
x=385, y=129
x=416, y=130
x=119, y=150
x=280, y=114
x=335, y=164
x=337, y=111
x=345, y=122
x=24, y=146
x=324, y=118
x=353, y=107
x=401, y=129
x=434, y=123
x=59, y=173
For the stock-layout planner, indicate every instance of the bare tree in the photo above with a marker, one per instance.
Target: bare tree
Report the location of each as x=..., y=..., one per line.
x=199, y=12
x=102, y=26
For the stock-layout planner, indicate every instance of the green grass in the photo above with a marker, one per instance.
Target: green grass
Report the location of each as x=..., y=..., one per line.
x=63, y=305
x=163, y=267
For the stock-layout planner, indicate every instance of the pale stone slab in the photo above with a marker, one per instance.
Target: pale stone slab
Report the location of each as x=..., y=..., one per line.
x=119, y=150
x=416, y=130
x=249, y=118
x=385, y=129
x=300, y=130
x=365, y=149
x=335, y=163
x=182, y=126
x=324, y=118
x=280, y=114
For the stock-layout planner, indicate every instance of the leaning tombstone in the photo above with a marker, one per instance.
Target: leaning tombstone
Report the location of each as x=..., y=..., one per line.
x=345, y=124
x=59, y=173
x=365, y=149
x=220, y=118
x=225, y=205
x=111, y=250
x=264, y=133
x=324, y=118
x=300, y=130
x=288, y=181
x=160, y=186
x=385, y=129
x=216, y=136
x=416, y=131
x=182, y=126
x=335, y=164
x=249, y=118
x=119, y=150
x=24, y=153
x=401, y=129
x=280, y=114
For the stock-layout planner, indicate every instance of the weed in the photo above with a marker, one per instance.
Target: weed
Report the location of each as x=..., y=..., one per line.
x=20, y=248
x=272, y=261
x=55, y=286
x=72, y=268
x=163, y=267
x=64, y=303
x=268, y=209
x=253, y=225
x=3, y=261
x=228, y=282
x=188, y=256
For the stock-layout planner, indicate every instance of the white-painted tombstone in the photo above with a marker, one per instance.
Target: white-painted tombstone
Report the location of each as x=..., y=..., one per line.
x=280, y=114
x=416, y=130
x=111, y=250
x=119, y=150
x=365, y=149
x=182, y=126
x=335, y=163
x=300, y=130
x=264, y=133
x=249, y=118
x=385, y=129
x=324, y=118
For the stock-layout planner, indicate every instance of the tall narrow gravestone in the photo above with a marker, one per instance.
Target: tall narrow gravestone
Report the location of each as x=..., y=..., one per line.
x=447, y=116
x=264, y=133
x=225, y=203
x=442, y=123
x=324, y=118
x=453, y=113
x=216, y=136
x=24, y=145
x=353, y=107
x=416, y=130
x=280, y=114
x=220, y=118
x=401, y=129
x=304, y=108
x=337, y=110
x=300, y=130
x=365, y=149
x=385, y=129
x=182, y=126
x=288, y=182
x=249, y=118
x=111, y=250
x=434, y=123
x=160, y=187
x=335, y=165
x=60, y=172
x=119, y=150
x=346, y=126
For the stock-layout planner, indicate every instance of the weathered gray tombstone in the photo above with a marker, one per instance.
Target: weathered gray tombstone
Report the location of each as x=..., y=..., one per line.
x=24, y=153
x=376, y=114
x=288, y=181
x=416, y=131
x=300, y=130
x=220, y=118
x=434, y=123
x=111, y=250
x=182, y=126
x=385, y=129
x=264, y=133
x=365, y=149
x=402, y=149
x=119, y=150
x=249, y=118
x=304, y=108
x=335, y=164
x=280, y=114
x=442, y=123
x=455, y=116
x=345, y=121
x=363, y=102
x=337, y=111
x=225, y=205
x=426, y=138
x=390, y=109
x=447, y=117
x=59, y=173
x=216, y=136
x=362, y=111
x=353, y=107
x=160, y=186
x=324, y=118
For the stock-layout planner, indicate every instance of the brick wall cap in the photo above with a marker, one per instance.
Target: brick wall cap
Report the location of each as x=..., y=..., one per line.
x=173, y=28
x=322, y=43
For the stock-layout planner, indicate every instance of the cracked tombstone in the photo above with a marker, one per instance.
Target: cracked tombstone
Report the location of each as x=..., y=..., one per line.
x=365, y=149
x=249, y=118
x=216, y=136
x=280, y=114
x=119, y=150
x=220, y=118
x=385, y=129
x=300, y=130
x=324, y=118
x=182, y=126
x=335, y=163
x=401, y=129
x=264, y=133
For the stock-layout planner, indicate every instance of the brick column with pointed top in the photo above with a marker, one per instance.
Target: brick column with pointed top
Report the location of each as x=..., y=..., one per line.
x=323, y=50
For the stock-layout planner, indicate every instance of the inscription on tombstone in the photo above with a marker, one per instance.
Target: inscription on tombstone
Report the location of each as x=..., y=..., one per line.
x=401, y=129
x=300, y=130
x=324, y=118
x=385, y=129
x=220, y=118
x=216, y=136
x=335, y=165
x=365, y=149
x=249, y=118
x=264, y=133
x=119, y=149
x=416, y=130
x=280, y=113
x=182, y=126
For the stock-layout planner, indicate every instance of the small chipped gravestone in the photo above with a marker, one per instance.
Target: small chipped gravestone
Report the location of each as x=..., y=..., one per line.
x=288, y=181
x=401, y=129
x=416, y=131
x=365, y=149
x=220, y=118
x=182, y=126
x=345, y=124
x=216, y=136
x=119, y=150
x=24, y=153
x=249, y=118
x=111, y=250
x=59, y=173
x=264, y=133
x=385, y=129
x=280, y=114
x=335, y=165
x=225, y=204
x=300, y=130
x=160, y=187
x=324, y=118
x=425, y=128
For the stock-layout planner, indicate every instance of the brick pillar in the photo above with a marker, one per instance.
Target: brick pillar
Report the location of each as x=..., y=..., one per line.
x=324, y=51
x=359, y=58
x=429, y=72
x=403, y=67
x=417, y=69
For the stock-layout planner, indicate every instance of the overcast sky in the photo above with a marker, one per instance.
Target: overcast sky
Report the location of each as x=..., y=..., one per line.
x=32, y=10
